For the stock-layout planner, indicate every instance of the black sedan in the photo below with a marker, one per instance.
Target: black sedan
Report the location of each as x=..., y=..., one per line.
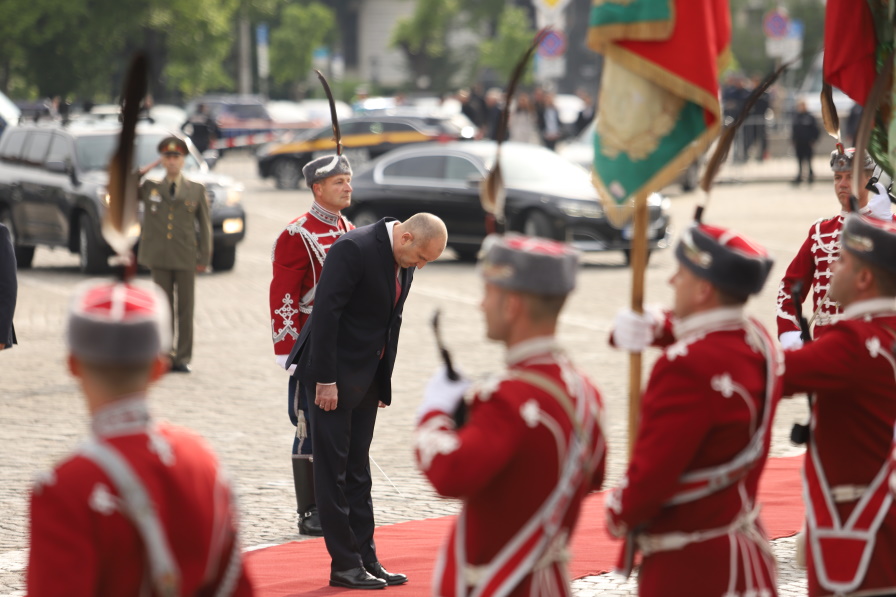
x=547, y=195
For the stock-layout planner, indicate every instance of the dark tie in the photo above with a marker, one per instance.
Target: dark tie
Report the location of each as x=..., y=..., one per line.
x=397, y=286
x=173, y=188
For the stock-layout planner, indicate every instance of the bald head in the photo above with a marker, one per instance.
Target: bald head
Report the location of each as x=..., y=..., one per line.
x=419, y=240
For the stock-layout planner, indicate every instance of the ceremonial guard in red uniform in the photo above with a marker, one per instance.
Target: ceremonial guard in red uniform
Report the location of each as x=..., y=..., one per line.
x=532, y=446
x=812, y=264
x=141, y=508
x=688, y=498
x=850, y=517
x=298, y=256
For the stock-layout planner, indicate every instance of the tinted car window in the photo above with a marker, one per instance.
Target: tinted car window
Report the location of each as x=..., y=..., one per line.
x=95, y=151
x=247, y=111
x=417, y=167
x=60, y=150
x=397, y=127
x=13, y=141
x=460, y=169
x=37, y=146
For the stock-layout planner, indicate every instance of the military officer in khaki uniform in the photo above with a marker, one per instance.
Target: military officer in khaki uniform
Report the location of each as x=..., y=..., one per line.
x=176, y=242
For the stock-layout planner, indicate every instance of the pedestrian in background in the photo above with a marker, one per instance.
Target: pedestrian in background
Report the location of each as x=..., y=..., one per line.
x=298, y=258
x=201, y=128
x=8, y=289
x=523, y=124
x=552, y=129
x=142, y=507
x=805, y=134
x=586, y=114
x=531, y=447
x=176, y=242
x=345, y=355
x=692, y=510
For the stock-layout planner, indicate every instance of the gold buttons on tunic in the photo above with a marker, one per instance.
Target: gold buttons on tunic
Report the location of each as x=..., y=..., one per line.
x=169, y=236
x=170, y=226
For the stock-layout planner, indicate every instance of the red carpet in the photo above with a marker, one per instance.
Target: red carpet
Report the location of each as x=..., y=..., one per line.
x=302, y=568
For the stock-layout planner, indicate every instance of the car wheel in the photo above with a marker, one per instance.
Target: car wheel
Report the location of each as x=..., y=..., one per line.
x=24, y=254
x=691, y=177
x=287, y=174
x=223, y=258
x=92, y=258
x=365, y=217
x=537, y=223
x=628, y=255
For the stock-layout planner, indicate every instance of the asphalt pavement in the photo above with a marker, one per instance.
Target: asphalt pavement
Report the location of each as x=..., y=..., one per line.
x=235, y=396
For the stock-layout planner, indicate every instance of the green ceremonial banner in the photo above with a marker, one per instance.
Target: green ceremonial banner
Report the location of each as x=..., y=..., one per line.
x=659, y=108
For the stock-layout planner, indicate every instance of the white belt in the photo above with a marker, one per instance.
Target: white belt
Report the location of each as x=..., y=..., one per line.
x=554, y=554
x=650, y=544
x=842, y=494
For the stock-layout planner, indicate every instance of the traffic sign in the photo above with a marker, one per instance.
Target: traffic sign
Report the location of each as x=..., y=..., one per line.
x=776, y=23
x=553, y=44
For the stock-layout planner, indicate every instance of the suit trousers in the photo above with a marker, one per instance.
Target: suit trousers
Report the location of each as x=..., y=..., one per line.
x=180, y=286
x=342, y=477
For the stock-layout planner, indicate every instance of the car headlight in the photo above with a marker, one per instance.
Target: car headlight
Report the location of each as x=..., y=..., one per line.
x=234, y=196
x=581, y=209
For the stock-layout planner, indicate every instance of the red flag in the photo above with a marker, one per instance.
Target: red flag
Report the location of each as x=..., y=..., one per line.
x=850, y=44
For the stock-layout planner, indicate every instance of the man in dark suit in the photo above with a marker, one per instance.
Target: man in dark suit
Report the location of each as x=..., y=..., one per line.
x=8, y=289
x=345, y=355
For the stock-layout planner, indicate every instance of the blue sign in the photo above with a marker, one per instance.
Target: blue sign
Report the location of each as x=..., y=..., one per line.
x=775, y=24
x=553, y=44
x=261, y=34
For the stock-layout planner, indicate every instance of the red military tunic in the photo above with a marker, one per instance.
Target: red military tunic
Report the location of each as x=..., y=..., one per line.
x=83, y=544
x=522, y=468
x=852, y=371
x=298, y=256
x=689, y=495
x=812, y=267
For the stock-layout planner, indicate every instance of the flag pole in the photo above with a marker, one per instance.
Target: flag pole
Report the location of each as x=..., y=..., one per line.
x=639, y=267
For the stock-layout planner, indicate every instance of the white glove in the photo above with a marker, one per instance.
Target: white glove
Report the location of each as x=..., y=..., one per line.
x=281, y=360
x=634, y=331
x=791, y=340
x=879, y=202
x=443, y=394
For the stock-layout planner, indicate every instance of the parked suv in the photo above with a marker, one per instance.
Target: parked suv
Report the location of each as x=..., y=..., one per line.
x=53, y=190
x=363, y=139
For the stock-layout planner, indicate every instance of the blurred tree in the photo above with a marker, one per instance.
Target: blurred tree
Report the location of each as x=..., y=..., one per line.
x=748, y=37
x=424, y=39
x=302, y=28
x=514, y=34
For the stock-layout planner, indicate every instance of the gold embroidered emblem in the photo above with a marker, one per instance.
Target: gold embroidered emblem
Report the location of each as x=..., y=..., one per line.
x=634, y=118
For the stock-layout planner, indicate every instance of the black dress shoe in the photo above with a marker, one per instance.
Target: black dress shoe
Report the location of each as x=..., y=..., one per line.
x=378, y=571
x=356, y=578
x=180, y=368
x=309, y=523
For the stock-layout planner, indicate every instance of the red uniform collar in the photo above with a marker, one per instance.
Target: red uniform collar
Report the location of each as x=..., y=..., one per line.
x=122, y=417
x=531, y=348
x=870, y=308
x=324, y=215
x=704, y=322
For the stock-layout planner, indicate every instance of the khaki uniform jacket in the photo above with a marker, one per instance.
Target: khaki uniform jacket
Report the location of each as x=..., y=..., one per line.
x=170, y=239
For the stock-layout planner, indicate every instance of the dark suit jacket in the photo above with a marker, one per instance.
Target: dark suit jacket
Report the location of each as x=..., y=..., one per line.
x=8, y=287
x=353, y=319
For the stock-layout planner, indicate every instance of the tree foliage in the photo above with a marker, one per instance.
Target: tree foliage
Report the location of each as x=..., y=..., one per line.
x=82, y=47
x=748, y=37
x=302, y=29
x=514, y=35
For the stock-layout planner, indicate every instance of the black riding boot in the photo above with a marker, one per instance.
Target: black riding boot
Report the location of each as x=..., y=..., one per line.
x=303, y=476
